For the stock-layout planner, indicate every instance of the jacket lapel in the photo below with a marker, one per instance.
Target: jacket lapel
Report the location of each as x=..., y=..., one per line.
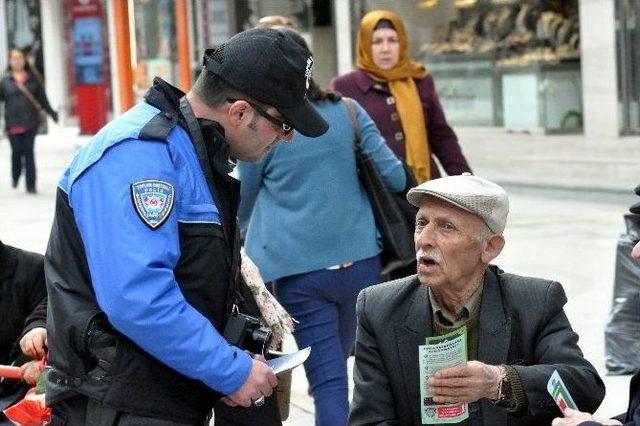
x=494, y=339
x=411, y=334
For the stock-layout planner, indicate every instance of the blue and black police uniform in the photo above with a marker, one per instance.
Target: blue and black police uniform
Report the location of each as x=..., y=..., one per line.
x=143, y=251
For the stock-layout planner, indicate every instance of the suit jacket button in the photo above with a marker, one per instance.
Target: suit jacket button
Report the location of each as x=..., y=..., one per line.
x=398, y=136
x=391, y=100
x=394, y=116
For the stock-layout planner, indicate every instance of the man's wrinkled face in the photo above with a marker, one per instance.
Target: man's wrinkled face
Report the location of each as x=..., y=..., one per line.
x=448, y=245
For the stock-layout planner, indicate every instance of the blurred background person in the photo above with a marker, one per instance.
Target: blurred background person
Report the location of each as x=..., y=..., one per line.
x=23, y=313
x=25, y=102
x=400, y=96
x=311, y=231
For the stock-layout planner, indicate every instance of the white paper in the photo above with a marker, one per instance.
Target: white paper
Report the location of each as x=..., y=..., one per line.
x=289, y=361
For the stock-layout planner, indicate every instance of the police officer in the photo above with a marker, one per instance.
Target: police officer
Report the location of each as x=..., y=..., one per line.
x=143, y=256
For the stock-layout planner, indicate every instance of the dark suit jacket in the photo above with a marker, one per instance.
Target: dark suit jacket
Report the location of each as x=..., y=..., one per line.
x=522, y=323
x=632, y=416
x=376, y=99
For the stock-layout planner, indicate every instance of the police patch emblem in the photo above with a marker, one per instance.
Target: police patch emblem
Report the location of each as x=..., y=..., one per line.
x=153, y=200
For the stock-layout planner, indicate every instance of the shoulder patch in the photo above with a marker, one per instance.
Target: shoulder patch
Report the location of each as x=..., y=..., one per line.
x=153, y=200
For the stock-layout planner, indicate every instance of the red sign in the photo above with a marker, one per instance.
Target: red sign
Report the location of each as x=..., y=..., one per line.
x=82, y=8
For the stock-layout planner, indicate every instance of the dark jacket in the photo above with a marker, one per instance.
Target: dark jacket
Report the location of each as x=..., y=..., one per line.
x=522, y=324
x=18, y=109
x=632, y=416
x=376, y=99
x=22, y=298
x=112, y=368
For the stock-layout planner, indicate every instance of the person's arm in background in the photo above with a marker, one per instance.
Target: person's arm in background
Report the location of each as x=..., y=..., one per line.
x=442, y=139
x=33, y=341
x=41, y=96
x=250, y=175
x=373, y=144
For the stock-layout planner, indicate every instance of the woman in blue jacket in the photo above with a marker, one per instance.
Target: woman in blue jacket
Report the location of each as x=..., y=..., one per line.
x=310, y=230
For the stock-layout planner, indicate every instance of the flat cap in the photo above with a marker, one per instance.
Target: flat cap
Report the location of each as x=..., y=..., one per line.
x=474, y=194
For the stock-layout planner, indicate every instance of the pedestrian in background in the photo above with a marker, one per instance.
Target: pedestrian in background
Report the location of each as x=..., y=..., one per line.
x=25, y=106
x=399, y=94
x=311, y=231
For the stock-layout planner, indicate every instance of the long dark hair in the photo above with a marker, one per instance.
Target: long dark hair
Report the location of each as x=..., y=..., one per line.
x=315, y=93
x=27, y=65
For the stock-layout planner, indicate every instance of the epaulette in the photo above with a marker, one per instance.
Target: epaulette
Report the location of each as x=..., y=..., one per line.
x=158, y=127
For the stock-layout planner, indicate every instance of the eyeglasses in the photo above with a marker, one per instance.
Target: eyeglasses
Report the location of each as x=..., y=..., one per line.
x=286, y=128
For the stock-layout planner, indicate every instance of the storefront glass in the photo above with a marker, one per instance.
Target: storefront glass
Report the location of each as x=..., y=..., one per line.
x=24, y=29
x=628, y=57
x=155, y=43
x=499, y=62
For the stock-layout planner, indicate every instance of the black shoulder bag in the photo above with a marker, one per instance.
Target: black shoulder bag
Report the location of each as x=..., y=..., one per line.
x=394, y=215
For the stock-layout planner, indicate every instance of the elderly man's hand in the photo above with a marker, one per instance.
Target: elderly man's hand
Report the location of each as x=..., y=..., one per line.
x=467, y=382
x=34, y=343
x=30, y=371
x=573, y=418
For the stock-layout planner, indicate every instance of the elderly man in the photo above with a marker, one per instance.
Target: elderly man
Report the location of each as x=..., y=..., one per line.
x=632, y=416
x=518, y=333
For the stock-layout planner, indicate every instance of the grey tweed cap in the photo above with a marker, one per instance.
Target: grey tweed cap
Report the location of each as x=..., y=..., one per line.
x=474, y=194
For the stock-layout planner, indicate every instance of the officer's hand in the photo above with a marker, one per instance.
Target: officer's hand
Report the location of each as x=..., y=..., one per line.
x=30, y=372
x=574, y=418
x=467, y=382
x=260, y=382
x=34, y=343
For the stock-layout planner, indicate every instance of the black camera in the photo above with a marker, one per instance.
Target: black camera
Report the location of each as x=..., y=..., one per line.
x=248, y=333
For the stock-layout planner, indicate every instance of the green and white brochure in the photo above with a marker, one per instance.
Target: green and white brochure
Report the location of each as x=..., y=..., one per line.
x=441, y=352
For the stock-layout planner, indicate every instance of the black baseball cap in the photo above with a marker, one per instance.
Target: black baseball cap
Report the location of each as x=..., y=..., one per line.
x=270, y=67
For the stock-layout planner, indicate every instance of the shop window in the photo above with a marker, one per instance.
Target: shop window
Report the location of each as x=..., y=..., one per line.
x=24, y=30
x=499, y=62
x=155, y=45
x=628, y=59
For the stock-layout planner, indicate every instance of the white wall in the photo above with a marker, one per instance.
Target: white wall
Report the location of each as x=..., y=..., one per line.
x=54, y=56
x=599, y=71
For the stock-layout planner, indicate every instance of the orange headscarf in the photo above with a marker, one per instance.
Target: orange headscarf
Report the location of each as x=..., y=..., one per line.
x=402, y=87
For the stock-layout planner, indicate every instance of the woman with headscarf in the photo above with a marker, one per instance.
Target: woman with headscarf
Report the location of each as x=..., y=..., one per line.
x=400, y=96
x=311, y=231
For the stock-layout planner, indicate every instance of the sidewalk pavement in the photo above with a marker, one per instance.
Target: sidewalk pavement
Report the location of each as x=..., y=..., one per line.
x=565, y=238
x=558, y=161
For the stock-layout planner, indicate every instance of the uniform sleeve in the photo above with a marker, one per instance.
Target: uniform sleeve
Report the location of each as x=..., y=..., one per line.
x=556, y=348
x=250, y=175
x=132, y=266
x=373, y=143
x=442, y=139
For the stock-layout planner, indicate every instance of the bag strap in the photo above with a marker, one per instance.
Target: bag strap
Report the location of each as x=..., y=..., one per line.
x=355, y=125
x=29, y=96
